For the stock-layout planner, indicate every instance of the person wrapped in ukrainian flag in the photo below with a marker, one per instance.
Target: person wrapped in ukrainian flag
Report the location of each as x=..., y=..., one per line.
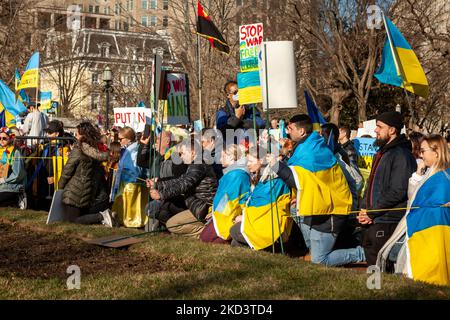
x=266, y=215
x=232, y=192
x=323, y=197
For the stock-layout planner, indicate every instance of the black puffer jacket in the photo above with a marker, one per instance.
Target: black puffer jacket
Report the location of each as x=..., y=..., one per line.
x=198, y=185
x=387, y=186
x=83, y=178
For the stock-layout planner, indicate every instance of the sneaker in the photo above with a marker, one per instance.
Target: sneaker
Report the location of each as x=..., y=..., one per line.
x=23, y=201
x=107, y=219
x=152, y=225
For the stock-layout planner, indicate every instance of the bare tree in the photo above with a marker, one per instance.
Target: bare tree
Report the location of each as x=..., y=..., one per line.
x=65, y=65
x=217, y=67
x=16, y=25
x=339, y=52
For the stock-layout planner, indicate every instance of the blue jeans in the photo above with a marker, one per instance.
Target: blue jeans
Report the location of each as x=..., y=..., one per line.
x=320, y=245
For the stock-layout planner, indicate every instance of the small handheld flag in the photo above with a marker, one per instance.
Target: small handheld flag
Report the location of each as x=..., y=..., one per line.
x=207, y=29
x=399, y=64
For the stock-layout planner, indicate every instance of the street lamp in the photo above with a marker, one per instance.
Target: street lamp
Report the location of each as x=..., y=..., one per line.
x=107, y=78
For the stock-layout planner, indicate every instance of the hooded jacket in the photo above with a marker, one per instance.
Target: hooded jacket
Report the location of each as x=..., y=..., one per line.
x=83, y=177
x=387, y=186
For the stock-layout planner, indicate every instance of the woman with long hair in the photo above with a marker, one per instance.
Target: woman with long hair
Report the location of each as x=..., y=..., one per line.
x=12, y=170
x=428, y=218
x=83, y=178
x=419, y=245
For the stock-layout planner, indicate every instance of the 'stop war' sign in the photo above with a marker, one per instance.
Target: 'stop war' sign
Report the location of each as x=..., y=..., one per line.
x=250, y=39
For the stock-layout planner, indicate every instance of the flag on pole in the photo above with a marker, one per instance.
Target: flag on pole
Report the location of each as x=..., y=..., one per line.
x=207, y=29
x=314, y=113
x=399, y=64
x=22, y=94
x=30, y=77
x=8, y=101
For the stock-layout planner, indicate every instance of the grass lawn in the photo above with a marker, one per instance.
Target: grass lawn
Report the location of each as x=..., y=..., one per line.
x=34, y=258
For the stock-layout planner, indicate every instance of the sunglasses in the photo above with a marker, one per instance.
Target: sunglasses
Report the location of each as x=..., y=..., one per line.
x=4, y=139
x=234, y=92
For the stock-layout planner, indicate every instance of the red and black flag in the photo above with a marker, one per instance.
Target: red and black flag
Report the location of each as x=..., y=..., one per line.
x=207, y=29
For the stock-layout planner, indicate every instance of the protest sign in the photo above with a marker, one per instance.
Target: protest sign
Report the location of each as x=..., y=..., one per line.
x=249, y=87
x=280, y=74
x=250, y=39
x=365, y=150
x=135, y=118
x=177, y=106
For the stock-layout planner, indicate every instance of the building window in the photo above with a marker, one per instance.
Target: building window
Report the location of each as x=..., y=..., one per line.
x=144, y=4
x=95, y=101
x=107, y=10
x=166, y=4
x=130, y=5
x=97, y=9
x=153, y=4
x=91, y=9
x=153, y=21
x=165, y=21
x=144, y=21
x=118, y=10
x=95, y=78
x=239, y=2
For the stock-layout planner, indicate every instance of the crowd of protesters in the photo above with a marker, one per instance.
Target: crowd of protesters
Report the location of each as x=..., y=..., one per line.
x=243, y=192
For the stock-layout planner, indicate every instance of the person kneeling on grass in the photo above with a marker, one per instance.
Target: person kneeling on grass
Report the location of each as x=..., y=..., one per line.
x=198, y=185
x=12, y=171
x=83, y=178
x=254, y=227
x=232, y=193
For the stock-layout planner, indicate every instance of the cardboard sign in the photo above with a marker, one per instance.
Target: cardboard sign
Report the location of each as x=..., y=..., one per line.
x=61, y=212
x=177, y=107
x=280, y=75
x=250, y=39
x=249, y=87
x=365, y=150
x=135, y=118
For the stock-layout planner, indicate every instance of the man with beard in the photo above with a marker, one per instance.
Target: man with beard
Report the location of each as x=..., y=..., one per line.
x=387, y=186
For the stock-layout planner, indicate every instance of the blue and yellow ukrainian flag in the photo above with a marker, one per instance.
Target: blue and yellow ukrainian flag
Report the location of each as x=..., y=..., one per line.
x=230, y=198
x=266, y=211
x=22, y=94
x=399, y=64
x=249, y=87
x=46, y=100
x=428, y=231
x=314, y=113
x=30, y=78
x=321, y=187
x=9, y=105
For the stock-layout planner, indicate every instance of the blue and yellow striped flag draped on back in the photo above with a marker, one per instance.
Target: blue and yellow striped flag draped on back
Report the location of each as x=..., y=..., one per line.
x=321, y=185
x=399, y=64
x=314, y=113
x=231, y=195
x=259, y=218
x=30, y=78
x=428, y=231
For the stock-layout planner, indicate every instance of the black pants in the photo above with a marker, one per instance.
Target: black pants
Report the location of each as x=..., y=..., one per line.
x=91, y=215
x=9, y=199
x=374, y=238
